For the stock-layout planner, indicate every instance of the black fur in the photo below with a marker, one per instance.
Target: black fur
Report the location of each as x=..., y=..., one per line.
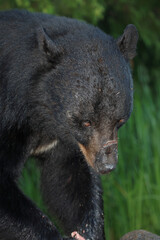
x=66, y=82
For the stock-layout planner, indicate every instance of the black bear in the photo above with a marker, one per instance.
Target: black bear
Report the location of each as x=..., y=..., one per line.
x=65, y=90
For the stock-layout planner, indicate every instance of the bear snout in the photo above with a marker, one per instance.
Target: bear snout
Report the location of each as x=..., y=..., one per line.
x=107, y=158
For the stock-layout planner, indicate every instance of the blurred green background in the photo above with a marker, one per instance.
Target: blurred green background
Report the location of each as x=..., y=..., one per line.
x=132, y=192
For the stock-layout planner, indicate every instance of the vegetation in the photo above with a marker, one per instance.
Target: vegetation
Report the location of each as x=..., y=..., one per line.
x=132, y=192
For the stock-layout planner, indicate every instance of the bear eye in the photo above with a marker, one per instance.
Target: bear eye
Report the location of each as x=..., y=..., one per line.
x=86, y=123
x=120, y=123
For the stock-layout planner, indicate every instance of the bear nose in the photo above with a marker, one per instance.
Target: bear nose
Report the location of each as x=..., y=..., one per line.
x=111, y=147
x=106, y=164
x=107, y=158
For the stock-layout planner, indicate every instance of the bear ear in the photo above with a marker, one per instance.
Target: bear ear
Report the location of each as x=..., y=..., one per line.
x=127, y=43
x=47, y=46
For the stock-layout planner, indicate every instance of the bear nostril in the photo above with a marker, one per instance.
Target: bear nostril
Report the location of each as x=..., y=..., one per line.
x=108, y=150
x=110, y=146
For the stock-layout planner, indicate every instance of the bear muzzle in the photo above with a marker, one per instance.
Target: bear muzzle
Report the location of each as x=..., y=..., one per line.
x=104, y=160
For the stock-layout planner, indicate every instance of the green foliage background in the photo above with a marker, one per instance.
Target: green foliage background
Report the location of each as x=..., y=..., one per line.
x=132, y=192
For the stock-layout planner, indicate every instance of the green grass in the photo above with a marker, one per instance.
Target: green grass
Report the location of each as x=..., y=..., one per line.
x=132, y=191
x=30, y=184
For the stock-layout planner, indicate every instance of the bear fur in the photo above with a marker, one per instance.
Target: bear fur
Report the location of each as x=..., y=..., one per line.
x=65, y=90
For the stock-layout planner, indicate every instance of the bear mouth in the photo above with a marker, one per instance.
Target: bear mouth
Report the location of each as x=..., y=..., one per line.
x=105, y=169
